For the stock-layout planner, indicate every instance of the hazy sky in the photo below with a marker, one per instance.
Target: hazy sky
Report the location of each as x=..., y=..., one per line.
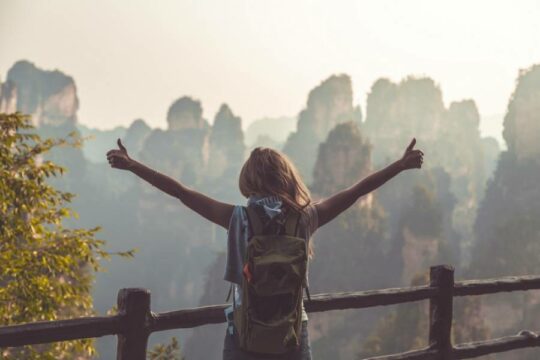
x=131, y=59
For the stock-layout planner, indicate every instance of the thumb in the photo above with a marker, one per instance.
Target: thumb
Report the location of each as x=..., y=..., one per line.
x=121, y=146
x=411, y=145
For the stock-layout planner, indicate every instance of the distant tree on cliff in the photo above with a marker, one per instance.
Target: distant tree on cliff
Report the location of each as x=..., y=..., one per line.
x=47, y=269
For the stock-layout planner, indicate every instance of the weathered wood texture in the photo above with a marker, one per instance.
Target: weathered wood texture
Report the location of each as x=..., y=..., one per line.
x=134, y=307
x=474, y=349
x=364, y=299
x=422, y=354
x=492, y=286
x=189, y=318
x=440, y=310
x=51, y=331
x=323, y=302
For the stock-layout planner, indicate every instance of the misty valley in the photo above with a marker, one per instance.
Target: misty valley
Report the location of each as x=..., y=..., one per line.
x=474, y=205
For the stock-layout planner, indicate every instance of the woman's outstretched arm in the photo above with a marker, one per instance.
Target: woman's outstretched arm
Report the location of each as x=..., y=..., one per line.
x=334, y=205
x=213, y=210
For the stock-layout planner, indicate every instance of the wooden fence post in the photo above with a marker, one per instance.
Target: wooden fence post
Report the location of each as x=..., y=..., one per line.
x=134, y=306
x=440, y=310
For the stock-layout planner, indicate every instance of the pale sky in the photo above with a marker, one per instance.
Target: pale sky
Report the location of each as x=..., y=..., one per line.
x=132, y=59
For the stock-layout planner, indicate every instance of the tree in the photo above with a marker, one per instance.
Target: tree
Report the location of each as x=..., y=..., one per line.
x=47, y=269
x=169, y=351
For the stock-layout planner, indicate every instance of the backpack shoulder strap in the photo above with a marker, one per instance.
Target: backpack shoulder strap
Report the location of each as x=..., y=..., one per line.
x=254, y=221
x=291, y=223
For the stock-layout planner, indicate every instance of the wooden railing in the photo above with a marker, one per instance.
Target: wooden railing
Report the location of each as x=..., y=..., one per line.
x=135, y=322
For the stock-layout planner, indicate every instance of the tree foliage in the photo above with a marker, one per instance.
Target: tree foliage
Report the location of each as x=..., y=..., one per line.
x=169, y=351
x=47, y=269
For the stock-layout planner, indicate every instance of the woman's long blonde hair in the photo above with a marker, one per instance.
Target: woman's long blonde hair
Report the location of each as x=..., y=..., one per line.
x=269, y=172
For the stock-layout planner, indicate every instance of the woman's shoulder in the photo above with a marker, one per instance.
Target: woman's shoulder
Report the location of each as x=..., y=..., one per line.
x=310, y=210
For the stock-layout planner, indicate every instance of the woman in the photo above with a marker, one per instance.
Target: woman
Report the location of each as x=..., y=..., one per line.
x=272, y=184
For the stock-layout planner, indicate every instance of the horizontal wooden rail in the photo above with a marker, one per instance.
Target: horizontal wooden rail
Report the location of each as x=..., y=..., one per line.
x=470, y=350
x=371, y=298
x=492, y=286
x=51, y=331
x=421, y=354
x=188, y=318
x=474, y=349
x=135, y=321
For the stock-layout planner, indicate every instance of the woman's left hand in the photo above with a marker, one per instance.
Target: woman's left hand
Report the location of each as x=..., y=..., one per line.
x=412, y=158
x=119, y=158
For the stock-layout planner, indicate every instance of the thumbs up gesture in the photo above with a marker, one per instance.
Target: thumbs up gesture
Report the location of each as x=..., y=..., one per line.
x=119, y=158
x=412, y=158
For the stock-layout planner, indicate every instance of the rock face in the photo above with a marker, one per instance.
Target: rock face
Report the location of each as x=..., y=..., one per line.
x=424, y=236
x=182, y=149
x=277, y=129
x=349, y=251
x=8, y=97
x=522, y=121
x=136, y=135
x=450, y=138
x=328, y=104
x=101, y=141
x=506, y=230
x=185, y=113
x=49, y=96
x=458, y=149
x=425, y=233
x=460, y=146
x=396, y=113
x=491, y=151
x=227, y=149
x=343, y=157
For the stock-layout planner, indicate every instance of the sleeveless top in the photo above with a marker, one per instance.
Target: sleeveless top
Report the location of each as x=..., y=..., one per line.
x=239, y=233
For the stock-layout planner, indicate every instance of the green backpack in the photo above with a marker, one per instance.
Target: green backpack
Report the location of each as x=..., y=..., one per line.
x=269, y=320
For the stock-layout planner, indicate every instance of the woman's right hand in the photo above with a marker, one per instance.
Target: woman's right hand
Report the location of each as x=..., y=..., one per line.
x=119, y=158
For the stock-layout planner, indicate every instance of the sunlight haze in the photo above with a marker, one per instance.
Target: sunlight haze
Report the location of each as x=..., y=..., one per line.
x=132, y=59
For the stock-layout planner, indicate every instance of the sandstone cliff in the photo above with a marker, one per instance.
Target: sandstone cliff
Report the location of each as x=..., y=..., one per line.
x=227, y=149
x=49, y=96
x=350, y=251
x=450, y=138
x=8, y=97
x=136, y=135
x=507, y=228
x=328, y=104
x=522, y=121
x=185, y=113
